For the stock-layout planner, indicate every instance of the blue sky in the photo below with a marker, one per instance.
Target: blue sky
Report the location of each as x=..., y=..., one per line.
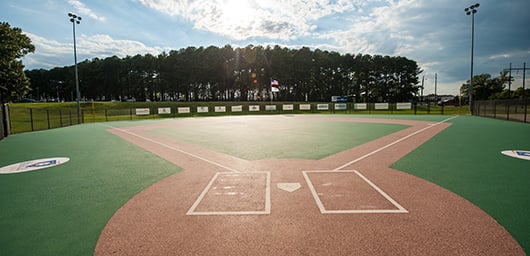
x=435, y=33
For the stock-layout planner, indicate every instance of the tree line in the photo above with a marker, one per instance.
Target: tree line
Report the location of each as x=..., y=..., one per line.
x=486, y=87
x=231, y=74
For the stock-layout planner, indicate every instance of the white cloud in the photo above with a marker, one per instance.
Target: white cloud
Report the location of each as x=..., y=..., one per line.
x=83, y=10
x=51, y=53
x=240, y=20
x=105, y=45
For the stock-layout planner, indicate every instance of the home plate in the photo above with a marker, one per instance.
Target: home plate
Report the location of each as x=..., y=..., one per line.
x=289, y=187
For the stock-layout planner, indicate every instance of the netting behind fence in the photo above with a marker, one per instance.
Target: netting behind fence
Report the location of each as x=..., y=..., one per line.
x=513, y=109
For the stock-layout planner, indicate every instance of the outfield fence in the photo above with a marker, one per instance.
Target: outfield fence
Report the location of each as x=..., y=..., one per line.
x=4, y=117
x=24, y=119
x=513, y=109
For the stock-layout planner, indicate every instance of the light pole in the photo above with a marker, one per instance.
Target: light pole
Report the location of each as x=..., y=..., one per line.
x=471, y=10
x=76, y=19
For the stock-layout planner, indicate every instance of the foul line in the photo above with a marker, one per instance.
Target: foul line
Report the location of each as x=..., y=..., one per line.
x=172, y=148
x=393, y=143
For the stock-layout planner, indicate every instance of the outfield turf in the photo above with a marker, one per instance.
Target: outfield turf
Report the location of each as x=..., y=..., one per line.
x=466, y=159
x=62, y=210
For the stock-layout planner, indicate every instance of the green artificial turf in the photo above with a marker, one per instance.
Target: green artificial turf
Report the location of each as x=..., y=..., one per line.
x=62, y=210
x=279, y=137
x=466, y=159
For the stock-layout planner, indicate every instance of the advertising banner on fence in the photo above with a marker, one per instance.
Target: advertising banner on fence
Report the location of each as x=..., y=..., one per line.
x=253, y=108
x=142, y=111
x=162, y=111
x=237, y=108
x=202, y=109
x=381, y=106
x=288, y=107
x=183, y=110
x=322, y=106
x=403, y=105
x=361, y=106
x=270, y=107
x=341, y=106
x=220, y=109
x=305, y=106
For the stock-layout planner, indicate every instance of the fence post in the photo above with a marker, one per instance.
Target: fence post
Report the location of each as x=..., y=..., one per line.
x=60, y=117
x=48, y=117
x=525, y=101
x=31, y=118
x=106, y=116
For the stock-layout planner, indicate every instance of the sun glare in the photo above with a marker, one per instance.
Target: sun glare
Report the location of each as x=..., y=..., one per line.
x=237, y=12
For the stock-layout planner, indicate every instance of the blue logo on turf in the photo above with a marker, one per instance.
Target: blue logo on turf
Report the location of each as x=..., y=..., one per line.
x=42, y=164
x=523, y=153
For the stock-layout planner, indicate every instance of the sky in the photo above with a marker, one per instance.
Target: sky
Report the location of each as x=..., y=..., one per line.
x=434, y=33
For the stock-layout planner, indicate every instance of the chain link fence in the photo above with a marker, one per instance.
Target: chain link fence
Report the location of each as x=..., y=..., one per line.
x=512, y=109
x=24, y=119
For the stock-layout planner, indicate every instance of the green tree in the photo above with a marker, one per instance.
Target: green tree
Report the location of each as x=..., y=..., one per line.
x=485, y=87
x=13, y=46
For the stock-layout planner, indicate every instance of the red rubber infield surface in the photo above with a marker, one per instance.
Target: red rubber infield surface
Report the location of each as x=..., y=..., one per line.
x=350, y=203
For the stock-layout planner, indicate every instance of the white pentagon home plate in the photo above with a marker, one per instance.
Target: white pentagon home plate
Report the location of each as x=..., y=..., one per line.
x=33, y=165
x=521, y=154
x=289, y=187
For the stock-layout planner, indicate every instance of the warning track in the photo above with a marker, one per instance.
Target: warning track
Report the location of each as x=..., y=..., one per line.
x=350, y=203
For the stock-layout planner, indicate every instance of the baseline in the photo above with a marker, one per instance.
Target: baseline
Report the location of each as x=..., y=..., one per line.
x=171, y=147
x=393, y=143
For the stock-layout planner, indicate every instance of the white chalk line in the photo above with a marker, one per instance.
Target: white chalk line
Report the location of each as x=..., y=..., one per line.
x=393, y=143
x=323, y=210
x=267, y=209
x=172, y=148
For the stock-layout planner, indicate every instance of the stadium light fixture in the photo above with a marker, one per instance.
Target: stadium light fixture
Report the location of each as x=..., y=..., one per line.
x=471, y=10
x=76, y=20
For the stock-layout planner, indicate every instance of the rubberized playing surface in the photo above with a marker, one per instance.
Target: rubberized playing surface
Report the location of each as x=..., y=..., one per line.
x=252, y=185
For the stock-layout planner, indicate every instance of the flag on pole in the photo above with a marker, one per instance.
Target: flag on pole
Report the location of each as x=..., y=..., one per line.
x=274, y=85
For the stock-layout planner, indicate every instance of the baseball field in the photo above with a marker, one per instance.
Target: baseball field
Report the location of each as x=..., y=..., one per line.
x=270, y=185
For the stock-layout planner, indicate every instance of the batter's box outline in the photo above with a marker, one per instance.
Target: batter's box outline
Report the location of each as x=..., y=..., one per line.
x=400, y=209
x=267, y=207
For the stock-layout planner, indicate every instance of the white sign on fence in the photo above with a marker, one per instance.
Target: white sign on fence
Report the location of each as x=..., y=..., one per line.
x=237, y=108
x=322, y=106
x=162, y=111
x=253, y=108
x=202, y=109
x=305, y=107
x=183, y=110
x=403, y=105
x=142, y=111
x=361, y=106
x=220, y=109
x=341, y=106
x=270, y=107
x=288, y=107
x=380, y=106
